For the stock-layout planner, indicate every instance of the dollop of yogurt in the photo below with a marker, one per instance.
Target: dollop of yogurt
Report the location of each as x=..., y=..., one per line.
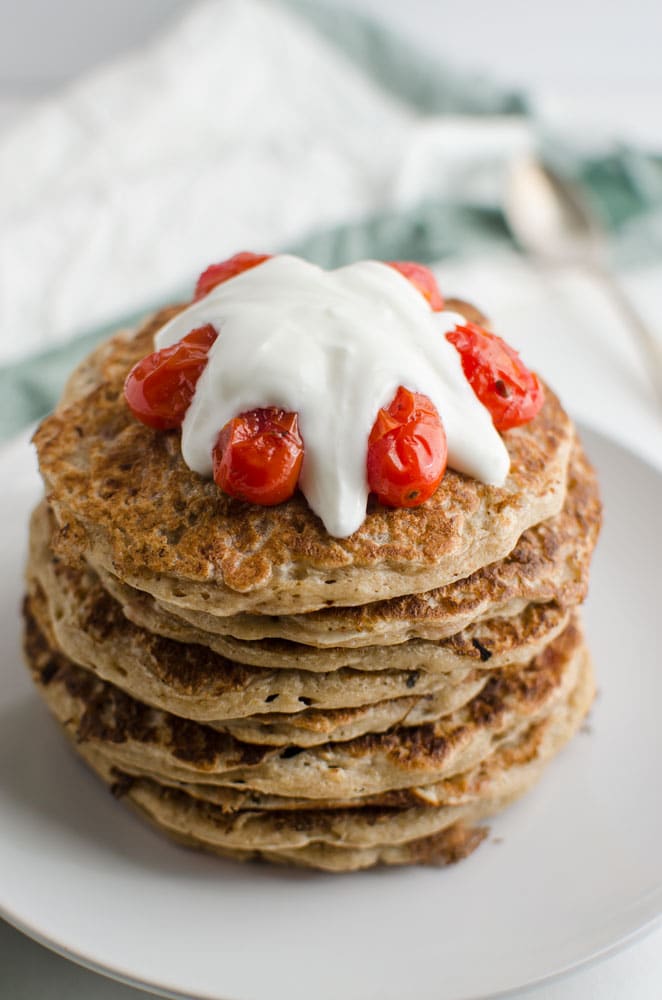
x=332, y=346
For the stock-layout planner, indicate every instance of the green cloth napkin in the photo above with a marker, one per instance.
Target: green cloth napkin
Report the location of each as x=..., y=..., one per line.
x=625, y=187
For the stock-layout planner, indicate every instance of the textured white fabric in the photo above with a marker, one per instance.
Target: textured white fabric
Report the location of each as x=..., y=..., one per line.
x=239, y=127
x=115, y=191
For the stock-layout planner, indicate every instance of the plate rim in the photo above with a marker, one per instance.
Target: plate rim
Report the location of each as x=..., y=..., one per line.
x=157, y=989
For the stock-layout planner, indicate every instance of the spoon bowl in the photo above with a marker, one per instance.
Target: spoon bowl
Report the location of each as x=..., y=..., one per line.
x=549, y=216
x=552, y=221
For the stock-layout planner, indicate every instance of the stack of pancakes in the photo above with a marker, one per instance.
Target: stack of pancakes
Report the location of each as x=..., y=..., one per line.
x=258, y=688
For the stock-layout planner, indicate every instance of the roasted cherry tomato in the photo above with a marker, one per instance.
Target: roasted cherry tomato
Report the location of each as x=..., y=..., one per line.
x=422, y=279
x=216, y=274
x=504, y=385
x=406, y=451
x=257, y=456
x=159, y=389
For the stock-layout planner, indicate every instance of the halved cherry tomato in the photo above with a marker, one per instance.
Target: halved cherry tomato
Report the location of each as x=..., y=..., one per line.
x=159, y=389
x=407, y=451
x=504, y=385
x=257, y=456
x=422, y=279
x=216, y=274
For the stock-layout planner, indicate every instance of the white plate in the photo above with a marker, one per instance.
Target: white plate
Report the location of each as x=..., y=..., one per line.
x=567, y=874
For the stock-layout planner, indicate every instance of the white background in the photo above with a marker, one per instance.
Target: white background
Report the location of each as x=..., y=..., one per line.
x=593, y=64
x=603, y=55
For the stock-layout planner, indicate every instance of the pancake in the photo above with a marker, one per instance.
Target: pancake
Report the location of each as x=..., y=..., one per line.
x=368, y=826
x=316, y=727
x=130, y=658
x=196, y=683
x=346, y=839
x=304, y=726
x=493, y=785
x=550, y=562
x=124, y=498
x=495, y=641
x=84, y=622
x=195, y=826
x=448, y=847
x=257, y=688
x=539, y=742
x=126, y=731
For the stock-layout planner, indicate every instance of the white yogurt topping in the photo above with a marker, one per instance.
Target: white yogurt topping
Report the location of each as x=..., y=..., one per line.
x=332, y=346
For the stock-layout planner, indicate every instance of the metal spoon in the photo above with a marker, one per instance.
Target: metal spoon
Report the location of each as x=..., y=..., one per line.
x=551, y=220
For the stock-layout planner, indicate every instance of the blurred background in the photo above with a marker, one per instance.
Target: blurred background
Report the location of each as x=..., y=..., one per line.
x=141, y=140
x=607, y=53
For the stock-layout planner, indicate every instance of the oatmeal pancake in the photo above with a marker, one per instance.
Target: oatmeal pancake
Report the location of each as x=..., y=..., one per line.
x=339, y=837
x=511, y=639
x=549, y=563
x=123, y=496
x=115, y=724
x=537, y=744
x=486, y=790
x=194, y=681
x=249, y=677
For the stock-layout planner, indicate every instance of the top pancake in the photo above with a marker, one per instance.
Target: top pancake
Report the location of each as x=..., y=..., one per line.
x=550, y=562
x=123, y=496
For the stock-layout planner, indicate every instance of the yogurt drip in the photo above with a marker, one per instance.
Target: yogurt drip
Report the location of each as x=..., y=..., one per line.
x=332, y=346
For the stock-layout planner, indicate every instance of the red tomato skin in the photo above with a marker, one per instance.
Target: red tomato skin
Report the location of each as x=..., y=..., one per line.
x=422, y=279
x=159, y=388
x=502, y=382
x=216, y=274
x=258, y=455
x=407, y=451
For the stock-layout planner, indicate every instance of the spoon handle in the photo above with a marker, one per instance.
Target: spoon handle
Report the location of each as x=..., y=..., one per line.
x=649, y=346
